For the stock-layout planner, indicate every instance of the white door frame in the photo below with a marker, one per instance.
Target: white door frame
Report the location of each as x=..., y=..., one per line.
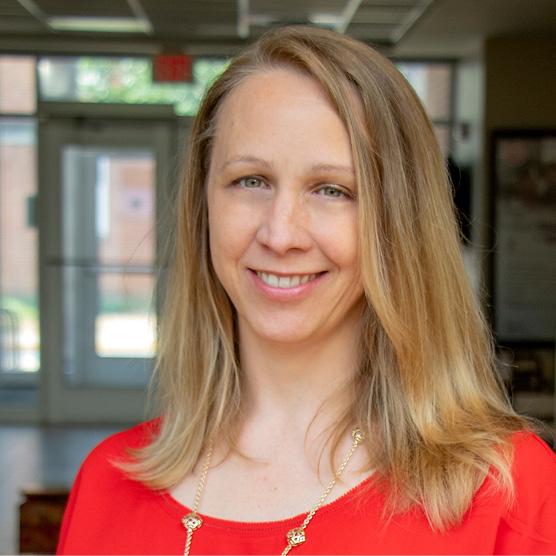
x=116, y=126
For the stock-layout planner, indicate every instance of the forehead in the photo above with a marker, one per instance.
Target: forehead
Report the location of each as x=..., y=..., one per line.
x=270, y=89
x=272, y=82
x=274, y=104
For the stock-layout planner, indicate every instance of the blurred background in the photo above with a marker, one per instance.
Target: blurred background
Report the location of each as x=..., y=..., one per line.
x=96, y=100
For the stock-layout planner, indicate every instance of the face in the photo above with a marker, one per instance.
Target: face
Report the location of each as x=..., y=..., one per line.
x=282, y=209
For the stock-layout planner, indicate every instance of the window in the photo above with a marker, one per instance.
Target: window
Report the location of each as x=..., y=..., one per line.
x=432, y=82
x=126, y=80
x=19, y=316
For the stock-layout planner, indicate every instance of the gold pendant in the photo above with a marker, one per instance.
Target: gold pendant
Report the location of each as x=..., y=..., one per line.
x=296, y=536
x=357, y=435
x=192, y=521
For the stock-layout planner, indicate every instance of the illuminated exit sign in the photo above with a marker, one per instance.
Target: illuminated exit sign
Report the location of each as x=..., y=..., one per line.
x=172, y=68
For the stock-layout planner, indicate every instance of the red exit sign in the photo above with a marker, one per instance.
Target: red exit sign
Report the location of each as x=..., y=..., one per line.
x=172, y=68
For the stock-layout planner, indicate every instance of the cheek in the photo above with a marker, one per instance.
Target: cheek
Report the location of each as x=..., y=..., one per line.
x=217, y=233
x=229, y=232
x=338, y=239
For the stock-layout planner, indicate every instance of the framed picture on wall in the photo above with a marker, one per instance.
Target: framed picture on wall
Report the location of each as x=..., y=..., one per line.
x=524, y=236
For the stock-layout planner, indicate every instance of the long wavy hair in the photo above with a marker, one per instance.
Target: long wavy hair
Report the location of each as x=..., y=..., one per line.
x=426, y=390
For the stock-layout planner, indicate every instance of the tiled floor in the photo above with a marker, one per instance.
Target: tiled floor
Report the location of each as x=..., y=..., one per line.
x=36, y=455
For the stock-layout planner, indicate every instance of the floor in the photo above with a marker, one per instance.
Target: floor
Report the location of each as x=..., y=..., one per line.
x=39, y=455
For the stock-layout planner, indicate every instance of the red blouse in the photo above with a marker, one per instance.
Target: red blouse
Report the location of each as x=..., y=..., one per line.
x=108, y=513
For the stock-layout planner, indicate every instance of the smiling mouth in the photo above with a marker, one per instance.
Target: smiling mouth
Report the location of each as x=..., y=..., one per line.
x=285, y=282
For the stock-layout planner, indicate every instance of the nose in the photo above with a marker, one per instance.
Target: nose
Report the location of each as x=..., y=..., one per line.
x=285, y=223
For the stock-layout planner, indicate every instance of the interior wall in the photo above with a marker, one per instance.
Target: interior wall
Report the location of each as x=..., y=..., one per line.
x=520, y=83
x=520, y=92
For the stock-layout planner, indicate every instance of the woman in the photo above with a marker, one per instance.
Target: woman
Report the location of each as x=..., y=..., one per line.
x=322, y=355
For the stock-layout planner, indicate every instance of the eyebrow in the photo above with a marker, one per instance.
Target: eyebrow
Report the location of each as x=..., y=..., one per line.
x=324, y=167
x=245, y=160
x=320, y=167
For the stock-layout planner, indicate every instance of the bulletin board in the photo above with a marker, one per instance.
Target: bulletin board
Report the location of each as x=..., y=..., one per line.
x=523, y=283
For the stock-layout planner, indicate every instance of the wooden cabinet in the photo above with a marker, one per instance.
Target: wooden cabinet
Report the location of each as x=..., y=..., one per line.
x=40, y=518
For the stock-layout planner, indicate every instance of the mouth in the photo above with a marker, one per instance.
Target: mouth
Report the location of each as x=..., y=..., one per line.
x=284, y=281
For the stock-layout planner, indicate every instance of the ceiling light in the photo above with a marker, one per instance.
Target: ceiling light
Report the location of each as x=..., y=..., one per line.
x=100, y=24
x=325, y=19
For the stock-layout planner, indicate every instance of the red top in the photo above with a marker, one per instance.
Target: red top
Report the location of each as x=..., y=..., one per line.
x=108, y=513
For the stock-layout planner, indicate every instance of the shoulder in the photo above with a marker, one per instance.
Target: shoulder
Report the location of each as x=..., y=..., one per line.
x=117, y=448
x=528, y=524
x=105, y=500
x=534, y=465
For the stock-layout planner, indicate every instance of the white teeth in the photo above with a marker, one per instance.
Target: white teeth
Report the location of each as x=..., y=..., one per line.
x=294, y=281
x=272, y=280
x=285, y=281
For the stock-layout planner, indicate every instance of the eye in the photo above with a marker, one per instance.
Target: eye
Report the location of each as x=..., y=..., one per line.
x=334, y=192
x=249, y=182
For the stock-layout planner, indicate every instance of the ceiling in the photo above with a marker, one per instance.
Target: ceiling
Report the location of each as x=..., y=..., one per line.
x=456, y=28
x=437, y=28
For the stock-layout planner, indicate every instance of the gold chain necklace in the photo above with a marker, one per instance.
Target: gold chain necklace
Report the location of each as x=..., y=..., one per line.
x=294, y=537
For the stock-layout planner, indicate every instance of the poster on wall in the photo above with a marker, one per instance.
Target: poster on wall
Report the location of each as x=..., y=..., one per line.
x=525, y=235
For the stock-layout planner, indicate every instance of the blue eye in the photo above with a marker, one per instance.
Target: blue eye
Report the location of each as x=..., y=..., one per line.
x=250, y=182
x=333, y=192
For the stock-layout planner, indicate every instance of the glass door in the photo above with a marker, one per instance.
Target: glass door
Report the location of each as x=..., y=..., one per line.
x=102, y=191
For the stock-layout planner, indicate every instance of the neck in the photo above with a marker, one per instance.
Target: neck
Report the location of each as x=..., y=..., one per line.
x=289, y=387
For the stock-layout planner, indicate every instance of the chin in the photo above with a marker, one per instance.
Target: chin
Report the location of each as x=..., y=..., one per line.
x=286, y=333
x=287, y=337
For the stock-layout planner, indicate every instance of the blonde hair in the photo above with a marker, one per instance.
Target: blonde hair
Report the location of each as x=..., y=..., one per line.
x=426, y=391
